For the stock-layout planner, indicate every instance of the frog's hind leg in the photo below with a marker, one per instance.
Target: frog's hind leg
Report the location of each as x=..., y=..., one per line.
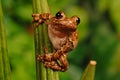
x=52, y=65
x=58, y=65
x=63, y=62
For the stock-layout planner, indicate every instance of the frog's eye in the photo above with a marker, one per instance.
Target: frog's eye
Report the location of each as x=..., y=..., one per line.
x=59, y=15
x=78, y=20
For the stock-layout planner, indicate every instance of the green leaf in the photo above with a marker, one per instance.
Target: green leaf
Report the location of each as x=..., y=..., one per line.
x=4, y=61
x=115, y=14
x=89, y=72
x=102, y=5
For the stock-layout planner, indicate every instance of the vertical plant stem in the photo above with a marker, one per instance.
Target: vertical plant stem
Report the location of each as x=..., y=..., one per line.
x=4, y=61
x=41, y=41
x=37, y=36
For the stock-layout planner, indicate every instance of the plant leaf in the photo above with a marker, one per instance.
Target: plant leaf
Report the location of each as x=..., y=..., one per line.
x=89, y=71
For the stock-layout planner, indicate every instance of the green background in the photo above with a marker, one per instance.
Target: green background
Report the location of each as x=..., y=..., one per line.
x=99, y=37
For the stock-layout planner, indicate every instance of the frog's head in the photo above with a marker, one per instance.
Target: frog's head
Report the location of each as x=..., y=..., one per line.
x=64, y=22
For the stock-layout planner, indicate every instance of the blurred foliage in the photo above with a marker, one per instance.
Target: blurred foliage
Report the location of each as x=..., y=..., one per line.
x=99, y=37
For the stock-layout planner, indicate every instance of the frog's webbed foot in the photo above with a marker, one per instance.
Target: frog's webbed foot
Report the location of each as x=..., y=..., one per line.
x=56, y=60
x=52, y=65
x=49, y=61
x=44, y=57
x=40, y=57
x=58, y=65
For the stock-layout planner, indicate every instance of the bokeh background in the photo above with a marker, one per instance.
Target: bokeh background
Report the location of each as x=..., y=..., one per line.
x=99, y=37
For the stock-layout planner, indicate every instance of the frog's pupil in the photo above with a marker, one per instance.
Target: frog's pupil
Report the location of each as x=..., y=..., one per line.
x=59, y=15
x=78, y=20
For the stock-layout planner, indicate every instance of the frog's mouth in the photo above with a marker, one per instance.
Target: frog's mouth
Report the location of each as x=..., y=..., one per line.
x=67, y=28
x=65, y=25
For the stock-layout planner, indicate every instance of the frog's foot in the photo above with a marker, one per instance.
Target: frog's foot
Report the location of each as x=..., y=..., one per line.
x=60, y=64
x=40, y=57
x=54, y=61
x=44, y=57
x=36, y=19
x=52, y=65
x=41, y=18
x=45, y=50
x=47, y=60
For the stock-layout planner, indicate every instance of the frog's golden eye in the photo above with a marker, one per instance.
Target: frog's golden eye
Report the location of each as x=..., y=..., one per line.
x=59, y=15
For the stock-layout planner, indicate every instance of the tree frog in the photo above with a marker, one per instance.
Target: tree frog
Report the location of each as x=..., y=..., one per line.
x=63, y=34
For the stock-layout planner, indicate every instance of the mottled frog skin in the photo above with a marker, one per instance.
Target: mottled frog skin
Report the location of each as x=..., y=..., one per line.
x=63, y=34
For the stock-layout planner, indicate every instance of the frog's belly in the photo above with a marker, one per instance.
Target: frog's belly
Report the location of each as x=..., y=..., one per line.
x=55, y=38
x=57, y=43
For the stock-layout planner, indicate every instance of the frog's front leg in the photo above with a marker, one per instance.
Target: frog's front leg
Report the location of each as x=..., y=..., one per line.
x=36, y=19
x=67, y=47
x=40, y=18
